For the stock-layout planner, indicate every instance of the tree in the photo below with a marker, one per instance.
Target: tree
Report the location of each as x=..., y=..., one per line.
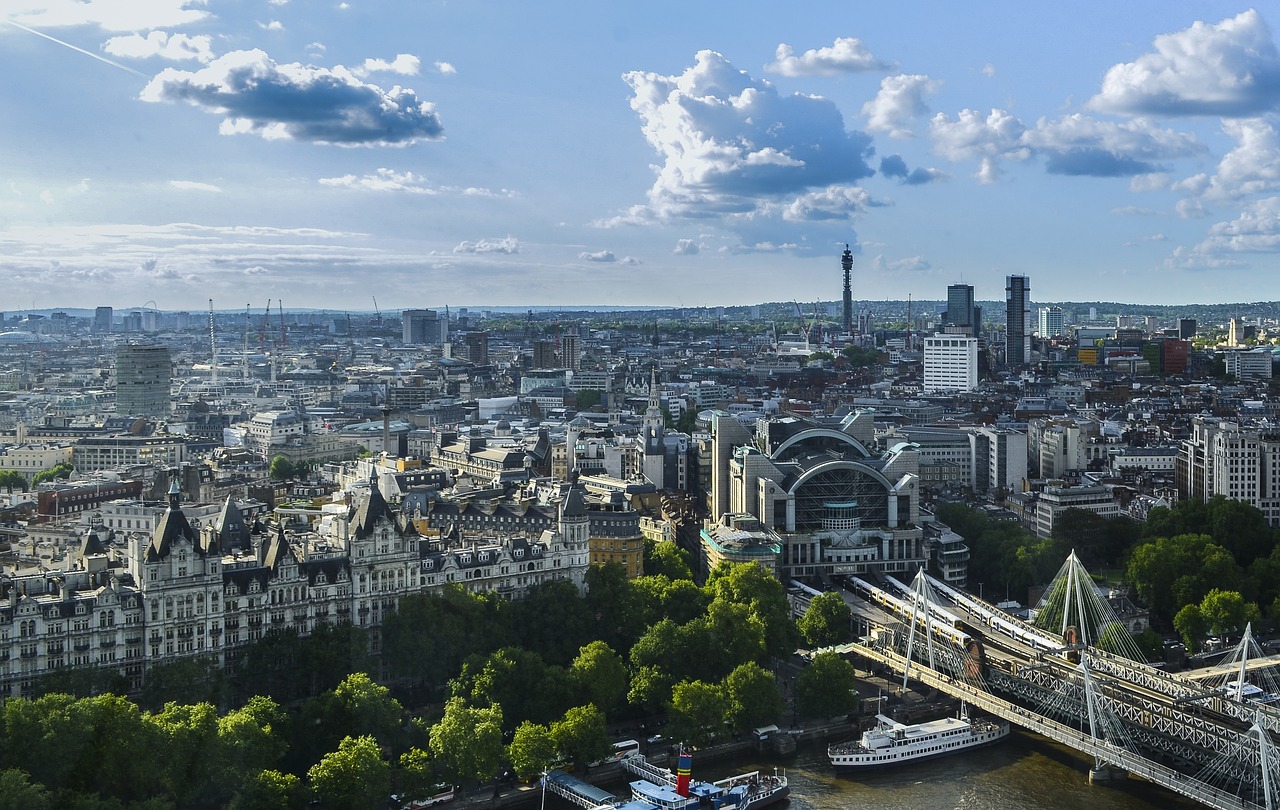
x=600, y=675
x=581, y=736
x=667, y=559
x=826, y=687
x=355, y=777
x=753, y=697
x=12, y=479
x=1191, y=625
x=1226, y=613
x=187, y=735
x=688, y=421
x=18, y=793
x=512, y=678
x=1169, y=573
x=416, y=774
x=532, y=749
x=826, y=621
x=468, y=741
x=753, y=585
x=58, y=472
x=370, y=709
x=270, y=790
x=186, y=680
x=250, y=739
x=282, y=469
x=698, y=711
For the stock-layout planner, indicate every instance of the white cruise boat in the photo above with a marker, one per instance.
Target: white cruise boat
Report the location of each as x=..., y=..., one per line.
x=893, y=743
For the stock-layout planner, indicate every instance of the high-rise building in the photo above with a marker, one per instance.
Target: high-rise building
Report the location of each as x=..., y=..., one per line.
x=846, y=264
x=571, y=350
x=544, y=354
x=1017, y=319
x=102, y=320
x=960, y=310
x=477, y=347
x=419, y=326
x=1051, y=322
x=950, y=363
x=143, y=372
x=1186, y=328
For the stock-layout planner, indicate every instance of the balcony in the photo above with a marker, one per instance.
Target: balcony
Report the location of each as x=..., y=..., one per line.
x=107, y=642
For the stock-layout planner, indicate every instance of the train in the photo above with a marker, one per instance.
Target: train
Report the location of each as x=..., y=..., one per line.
x=955, y=632
x=994, y=620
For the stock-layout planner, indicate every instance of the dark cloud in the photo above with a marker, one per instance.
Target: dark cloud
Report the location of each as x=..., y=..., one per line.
x=1096, y=163
x=298, y=102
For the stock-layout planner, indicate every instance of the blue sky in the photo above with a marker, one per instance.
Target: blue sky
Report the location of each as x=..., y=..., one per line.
x=689, y=154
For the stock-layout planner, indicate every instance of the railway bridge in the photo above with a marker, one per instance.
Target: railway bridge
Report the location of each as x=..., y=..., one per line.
x=1200, y=740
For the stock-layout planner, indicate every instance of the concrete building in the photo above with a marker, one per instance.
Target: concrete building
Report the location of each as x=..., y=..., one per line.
x=102, y=320
x=423, y=327
x=1250, y=365
x=1052, y=323
x=1237, y=460
x=1017, y=292
x=950, y=363
x=32, y=458
x=143, y=372
x=1053, y=501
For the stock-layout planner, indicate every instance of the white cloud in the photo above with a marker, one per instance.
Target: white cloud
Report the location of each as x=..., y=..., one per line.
x=607, y=257
x=898, y=103
x=1134, y=210
x=508, y=245
x=385, y=179
x=298, y=102
x=121, y=15
x=191, y=185
x=256, y=270
x=1153, y=181
x=687, y=247
x=446, y=68
x=174, y=47
x=47, y=197
x=847, y=55
x=908, y=264
x=1228, y=69
x=271, y=25
x=404, y=64
x=730, y=145
x=1072, y=145
x=1252, y=167
x=989, y=70
x=831, y=203
x=1255, y=230
x=895, y=166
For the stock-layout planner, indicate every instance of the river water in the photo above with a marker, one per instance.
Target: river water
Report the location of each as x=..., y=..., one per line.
x=1024, y=772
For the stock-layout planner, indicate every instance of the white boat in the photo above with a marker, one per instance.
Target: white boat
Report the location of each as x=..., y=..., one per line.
x=893, y=743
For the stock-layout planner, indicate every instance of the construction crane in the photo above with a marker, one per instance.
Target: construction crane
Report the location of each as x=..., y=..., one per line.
x=284, y=335
x=213, y=348
x=244, y=352
x=377, y=313
x=262, y=332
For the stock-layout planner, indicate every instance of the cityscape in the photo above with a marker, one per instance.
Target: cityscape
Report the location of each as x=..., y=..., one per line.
x=808, y=397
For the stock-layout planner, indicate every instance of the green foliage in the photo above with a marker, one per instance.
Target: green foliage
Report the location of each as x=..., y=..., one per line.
x=532, y=749
x=752, y=697
x=826, y=688
x=355, y=777
x=600, y=675
x=12, y=479
x=59, y=472
x=827, y=621
x=1098, y=541
x=17, y=792
x=281, y=469
x=581, y=736
x=415, y=775
x=666, y=559
x=184, y=679
x=1191, y=625
x=688, y=421
x=698, y=711
x=1002, y=554
x=519, y=681
x=859, y=357
x=270, y=790
x=467, y=742
x=589, y=399
x=1226, y=613
x=430, y=635
x=1169, y=573
x=756, y=588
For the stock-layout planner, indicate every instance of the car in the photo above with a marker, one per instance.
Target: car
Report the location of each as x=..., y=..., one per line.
x=656, y=739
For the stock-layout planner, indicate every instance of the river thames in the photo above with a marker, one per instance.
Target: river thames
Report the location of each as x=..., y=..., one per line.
x=1023, y=772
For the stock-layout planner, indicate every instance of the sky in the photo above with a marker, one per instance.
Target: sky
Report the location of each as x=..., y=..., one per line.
x=473, y=152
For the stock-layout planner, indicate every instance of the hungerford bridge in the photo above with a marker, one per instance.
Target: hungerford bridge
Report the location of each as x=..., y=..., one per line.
x=1208, y=735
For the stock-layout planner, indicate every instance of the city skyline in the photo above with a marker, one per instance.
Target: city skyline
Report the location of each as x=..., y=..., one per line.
x=433, y=154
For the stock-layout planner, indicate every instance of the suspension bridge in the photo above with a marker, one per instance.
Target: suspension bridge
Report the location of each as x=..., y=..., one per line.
x=1085, y=684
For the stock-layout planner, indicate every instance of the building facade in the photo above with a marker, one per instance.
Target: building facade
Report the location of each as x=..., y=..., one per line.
x=1017, y=320
x=950, y=363
x=143, y=372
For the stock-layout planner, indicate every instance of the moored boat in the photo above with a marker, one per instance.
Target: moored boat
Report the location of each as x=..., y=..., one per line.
x=892, y=743
x=660, y=788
